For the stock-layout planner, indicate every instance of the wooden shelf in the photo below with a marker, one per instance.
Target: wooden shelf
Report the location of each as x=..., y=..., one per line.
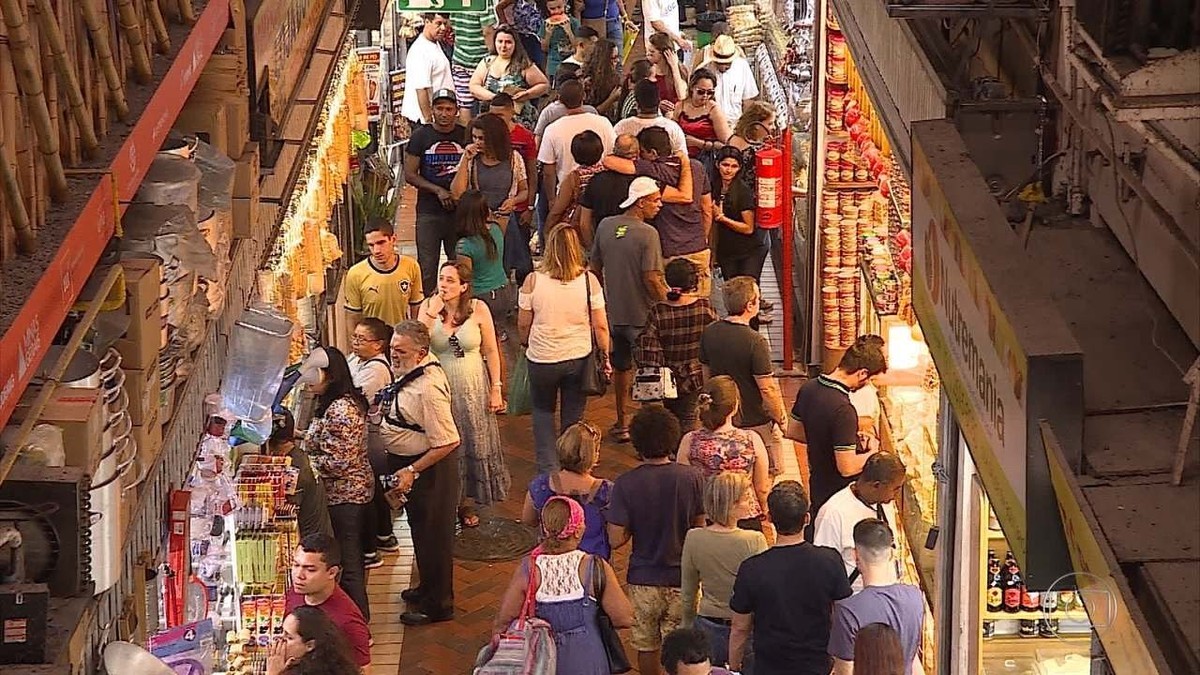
x=851, y=185
x=1073, y=615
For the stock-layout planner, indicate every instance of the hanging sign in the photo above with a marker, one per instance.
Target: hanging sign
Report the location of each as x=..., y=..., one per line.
x=1005, y=355
x=372, y=59
x=443, y=6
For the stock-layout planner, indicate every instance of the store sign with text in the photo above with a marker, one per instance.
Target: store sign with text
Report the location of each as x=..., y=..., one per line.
x=372, y=60
x=982, y=367
x=447, y=6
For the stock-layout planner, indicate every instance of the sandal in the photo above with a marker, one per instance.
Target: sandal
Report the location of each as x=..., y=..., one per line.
x=467, y=517
x=620, y=434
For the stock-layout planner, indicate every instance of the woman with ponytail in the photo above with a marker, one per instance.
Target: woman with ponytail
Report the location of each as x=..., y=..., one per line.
x=671, y=338
x=720, y=446
x=566, y=580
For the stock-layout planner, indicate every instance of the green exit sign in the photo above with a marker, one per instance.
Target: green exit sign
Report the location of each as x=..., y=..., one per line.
x=447, y=6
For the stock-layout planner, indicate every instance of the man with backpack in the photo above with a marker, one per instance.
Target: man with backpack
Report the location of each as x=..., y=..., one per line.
x=417, y=429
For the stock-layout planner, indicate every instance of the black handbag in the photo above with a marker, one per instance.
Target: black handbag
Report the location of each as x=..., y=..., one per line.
x=593, y=381
x=613, y=647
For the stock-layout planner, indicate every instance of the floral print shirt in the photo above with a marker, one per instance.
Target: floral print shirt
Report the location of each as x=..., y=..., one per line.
x=337, y=444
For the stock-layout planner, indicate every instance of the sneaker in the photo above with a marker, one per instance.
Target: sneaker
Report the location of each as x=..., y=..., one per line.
x=372, y=561
x=388, y=544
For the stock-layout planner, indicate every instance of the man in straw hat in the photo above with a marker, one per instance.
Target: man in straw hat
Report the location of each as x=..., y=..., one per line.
x=736, y=85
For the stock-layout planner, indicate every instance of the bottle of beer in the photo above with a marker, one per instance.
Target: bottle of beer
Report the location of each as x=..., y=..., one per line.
x=1029, y=628
x=1031, y=601
x=995, y=594
x=1049, y=602
x=989, y=629
x=1012, y=585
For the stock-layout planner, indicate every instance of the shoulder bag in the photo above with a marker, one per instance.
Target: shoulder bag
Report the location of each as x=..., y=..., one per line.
x=618, y=662
x=593, y=381
x=526, y=647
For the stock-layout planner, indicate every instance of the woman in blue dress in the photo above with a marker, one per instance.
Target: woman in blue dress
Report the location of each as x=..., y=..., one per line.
x=578, y=453
x=565, y=579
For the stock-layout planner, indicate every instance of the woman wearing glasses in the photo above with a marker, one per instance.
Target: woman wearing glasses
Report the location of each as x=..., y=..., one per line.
x=463, y=338
x=578, y=454
x=700, y=117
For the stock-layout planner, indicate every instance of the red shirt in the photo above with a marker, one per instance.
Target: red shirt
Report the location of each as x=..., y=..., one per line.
x=524, y=142
x=346, y=615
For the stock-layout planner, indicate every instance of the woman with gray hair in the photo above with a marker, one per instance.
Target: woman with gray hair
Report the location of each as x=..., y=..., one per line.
x=711, y=557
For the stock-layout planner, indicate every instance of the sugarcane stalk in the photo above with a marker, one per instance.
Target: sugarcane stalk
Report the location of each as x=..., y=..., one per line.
x=132, y=28
x=26, y=239
x=186, y=12
x=108, y=65
x=154, y=15
x=24, y=60
x=66, y=72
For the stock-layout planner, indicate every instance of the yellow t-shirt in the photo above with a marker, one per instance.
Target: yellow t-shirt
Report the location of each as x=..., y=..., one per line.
x=384, y=295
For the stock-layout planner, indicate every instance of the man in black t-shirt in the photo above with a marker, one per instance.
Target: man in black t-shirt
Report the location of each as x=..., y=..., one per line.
x=606, y=190
x=825, y=420
x=786, y=594
x=430, y=162
x=731, y=347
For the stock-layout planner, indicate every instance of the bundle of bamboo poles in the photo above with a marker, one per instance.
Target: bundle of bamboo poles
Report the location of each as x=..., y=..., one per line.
x=63, y=79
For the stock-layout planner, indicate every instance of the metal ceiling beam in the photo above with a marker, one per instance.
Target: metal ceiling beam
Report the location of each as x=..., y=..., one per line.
x=932, y=9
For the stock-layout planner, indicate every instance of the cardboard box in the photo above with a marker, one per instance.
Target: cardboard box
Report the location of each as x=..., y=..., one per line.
x=149, y=439
x=143, y=386
x=206, y=120
x=139, y=348
x=80, y=413
x=245, y=217
x=237, y=126
x=247, y=173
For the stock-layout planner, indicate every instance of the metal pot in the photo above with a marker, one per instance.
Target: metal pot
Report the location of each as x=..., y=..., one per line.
x=126, y=657
x=106, y=503
x=83, y=371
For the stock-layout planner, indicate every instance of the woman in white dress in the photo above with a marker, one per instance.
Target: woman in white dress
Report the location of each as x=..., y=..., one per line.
x=463, y=337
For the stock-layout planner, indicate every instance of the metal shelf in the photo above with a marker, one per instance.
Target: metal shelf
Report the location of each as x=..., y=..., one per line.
x=26, y=340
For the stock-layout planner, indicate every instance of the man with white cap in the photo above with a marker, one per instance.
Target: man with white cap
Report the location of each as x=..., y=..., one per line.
x=627, y=258
x=736, y=85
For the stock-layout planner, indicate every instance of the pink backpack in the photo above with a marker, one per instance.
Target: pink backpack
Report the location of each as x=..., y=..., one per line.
x=526, y=647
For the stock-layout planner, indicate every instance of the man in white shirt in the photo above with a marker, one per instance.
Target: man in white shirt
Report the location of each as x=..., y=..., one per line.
x=662, y=16
x=645, y=94
x=555, y=151
x=426, y=70
x=736, y=85
x=870, y=496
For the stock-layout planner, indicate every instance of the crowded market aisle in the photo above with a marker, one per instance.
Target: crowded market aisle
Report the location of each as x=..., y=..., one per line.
x=451, y=647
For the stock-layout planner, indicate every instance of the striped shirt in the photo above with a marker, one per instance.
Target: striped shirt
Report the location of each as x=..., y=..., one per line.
x=469, y=45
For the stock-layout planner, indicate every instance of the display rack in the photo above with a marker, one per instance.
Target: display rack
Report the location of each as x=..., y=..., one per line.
x=864, y=212
x=27, y=339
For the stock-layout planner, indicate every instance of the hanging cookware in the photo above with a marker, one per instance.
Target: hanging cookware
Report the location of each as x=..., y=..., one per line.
x=83, y=371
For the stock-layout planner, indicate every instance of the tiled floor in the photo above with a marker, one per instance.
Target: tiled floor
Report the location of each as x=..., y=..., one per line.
x=451, y=647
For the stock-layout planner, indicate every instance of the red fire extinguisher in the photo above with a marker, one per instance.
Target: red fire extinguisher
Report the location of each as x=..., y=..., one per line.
x=768, y=165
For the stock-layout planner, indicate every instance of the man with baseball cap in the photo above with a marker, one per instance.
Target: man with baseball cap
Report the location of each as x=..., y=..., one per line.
x=627, y=258
x=427, y=70
x=430, y=162
x=736, y=85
